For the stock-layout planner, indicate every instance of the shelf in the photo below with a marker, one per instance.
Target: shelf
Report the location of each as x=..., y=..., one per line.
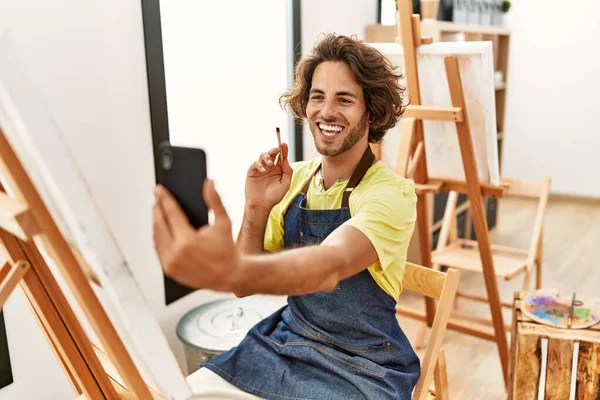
x=445, y=26
x=389, y=33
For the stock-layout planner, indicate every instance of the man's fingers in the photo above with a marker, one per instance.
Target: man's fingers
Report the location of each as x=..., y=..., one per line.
x=213, y=202
x=174, y=217
x=266, y=160
x=284, y=148
x=274, y=151
x=258, y=166
x=281, y=160
x=286, y=167
x=161, y=233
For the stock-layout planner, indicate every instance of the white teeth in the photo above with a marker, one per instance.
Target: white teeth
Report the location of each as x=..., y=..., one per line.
x=330, y=128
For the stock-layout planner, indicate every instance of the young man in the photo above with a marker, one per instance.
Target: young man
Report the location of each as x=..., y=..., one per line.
x=331, y=233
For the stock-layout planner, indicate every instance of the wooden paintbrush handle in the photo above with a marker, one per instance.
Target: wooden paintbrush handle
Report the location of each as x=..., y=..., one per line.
x=571, y=312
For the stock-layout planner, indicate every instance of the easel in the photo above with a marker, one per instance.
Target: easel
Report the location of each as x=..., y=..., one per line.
x=25, y=224
x=413, y=144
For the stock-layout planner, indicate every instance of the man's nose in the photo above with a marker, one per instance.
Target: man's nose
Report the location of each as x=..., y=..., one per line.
x=328, y=111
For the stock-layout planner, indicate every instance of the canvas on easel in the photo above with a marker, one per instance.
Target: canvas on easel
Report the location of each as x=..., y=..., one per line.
x=441, y=141
x=38, y=169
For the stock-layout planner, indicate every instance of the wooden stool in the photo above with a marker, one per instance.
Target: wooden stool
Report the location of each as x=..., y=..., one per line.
x=559, y=360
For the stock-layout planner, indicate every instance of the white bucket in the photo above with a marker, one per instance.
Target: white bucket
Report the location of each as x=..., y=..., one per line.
x=213, y=328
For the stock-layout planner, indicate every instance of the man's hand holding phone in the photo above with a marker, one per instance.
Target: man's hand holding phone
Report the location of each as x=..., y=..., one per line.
x=203, y=258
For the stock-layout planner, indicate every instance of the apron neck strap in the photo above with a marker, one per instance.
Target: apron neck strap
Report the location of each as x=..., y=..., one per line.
x=361, y=169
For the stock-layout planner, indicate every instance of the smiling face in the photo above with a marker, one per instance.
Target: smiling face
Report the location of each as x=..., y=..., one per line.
x=336, y=109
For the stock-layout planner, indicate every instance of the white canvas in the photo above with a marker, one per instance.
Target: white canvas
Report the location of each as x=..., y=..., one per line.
x=39, y=144
x=441, y=141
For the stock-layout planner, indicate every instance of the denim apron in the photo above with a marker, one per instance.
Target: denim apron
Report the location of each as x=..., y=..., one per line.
x=344, y=344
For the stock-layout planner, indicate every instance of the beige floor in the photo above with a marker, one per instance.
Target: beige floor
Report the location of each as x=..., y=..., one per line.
x=571, y=254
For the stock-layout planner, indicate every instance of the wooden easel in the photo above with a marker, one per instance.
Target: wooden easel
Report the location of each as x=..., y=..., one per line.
x=26, y=229
x=413, y=146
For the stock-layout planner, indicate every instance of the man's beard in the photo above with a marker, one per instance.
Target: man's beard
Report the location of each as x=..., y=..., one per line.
x=352, y=137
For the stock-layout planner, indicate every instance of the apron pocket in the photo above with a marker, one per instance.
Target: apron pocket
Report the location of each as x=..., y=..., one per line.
x=355, y=362
x=321, y=355
x=310, y=332
x=352, y=347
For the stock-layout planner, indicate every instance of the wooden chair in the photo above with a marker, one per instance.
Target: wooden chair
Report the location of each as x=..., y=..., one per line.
x=439, y=286
x=509, y=262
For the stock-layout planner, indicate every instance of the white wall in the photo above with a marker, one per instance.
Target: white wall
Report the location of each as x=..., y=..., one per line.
x=345, y=17
x=552, y=109
x=88, y=60
x=224, y=75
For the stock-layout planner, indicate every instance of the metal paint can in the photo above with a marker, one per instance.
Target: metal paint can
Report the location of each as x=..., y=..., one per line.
x=213, y=328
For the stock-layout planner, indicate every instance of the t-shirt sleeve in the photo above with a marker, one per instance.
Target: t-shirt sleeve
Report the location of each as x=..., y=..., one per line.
x=386, y=215
x=273, y=241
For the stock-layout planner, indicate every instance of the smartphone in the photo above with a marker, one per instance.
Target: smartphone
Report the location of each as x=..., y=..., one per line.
x=183, y=172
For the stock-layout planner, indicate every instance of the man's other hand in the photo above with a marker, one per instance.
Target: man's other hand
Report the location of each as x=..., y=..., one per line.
x=267, y=181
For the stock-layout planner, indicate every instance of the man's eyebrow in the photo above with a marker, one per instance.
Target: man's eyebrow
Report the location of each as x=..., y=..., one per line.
x=343, y=93
x=349, y=94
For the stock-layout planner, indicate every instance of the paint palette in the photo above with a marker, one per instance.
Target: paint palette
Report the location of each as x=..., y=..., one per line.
x=549, y=308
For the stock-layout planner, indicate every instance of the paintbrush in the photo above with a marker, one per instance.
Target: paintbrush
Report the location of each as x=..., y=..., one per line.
x=278, y=142
x=278, y=136
x=571, y=312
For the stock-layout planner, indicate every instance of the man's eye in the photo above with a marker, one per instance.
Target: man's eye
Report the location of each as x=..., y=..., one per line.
x=346, y=101
x=316, y=97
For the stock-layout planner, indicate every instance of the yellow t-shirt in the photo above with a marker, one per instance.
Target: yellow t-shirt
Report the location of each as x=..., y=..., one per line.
x=382, y=207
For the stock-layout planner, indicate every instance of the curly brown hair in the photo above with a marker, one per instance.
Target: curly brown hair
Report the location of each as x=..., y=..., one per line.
x=374, y=72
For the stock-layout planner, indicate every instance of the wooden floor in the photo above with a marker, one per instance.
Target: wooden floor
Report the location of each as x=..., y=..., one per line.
x=571, y=254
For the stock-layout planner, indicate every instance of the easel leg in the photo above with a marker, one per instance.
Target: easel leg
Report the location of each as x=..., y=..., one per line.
x=479, y=219
x=425, y=250
x=405, y=31
x=443, y=240
x=85, y=371
x=55, y=348
x=407, y=128
x=538, y=263
x=423, y=221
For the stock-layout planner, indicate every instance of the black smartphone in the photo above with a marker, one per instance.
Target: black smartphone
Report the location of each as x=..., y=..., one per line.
x=183, y=172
